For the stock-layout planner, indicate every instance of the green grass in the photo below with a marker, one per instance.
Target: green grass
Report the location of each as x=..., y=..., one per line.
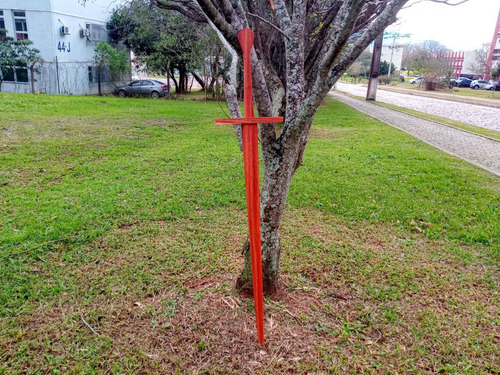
x=130, y=214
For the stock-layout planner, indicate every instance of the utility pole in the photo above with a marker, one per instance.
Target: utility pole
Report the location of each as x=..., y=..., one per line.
x=375, y=67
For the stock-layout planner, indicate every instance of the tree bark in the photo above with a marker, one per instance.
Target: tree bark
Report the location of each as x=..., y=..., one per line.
x=99, y=89
x=371, y=93
x=182, y=80
x=199, y=80
x=172, y=75
x=32, y=77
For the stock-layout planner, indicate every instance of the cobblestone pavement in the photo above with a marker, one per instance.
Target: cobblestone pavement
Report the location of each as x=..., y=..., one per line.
x=478, y=150
x=478, y=115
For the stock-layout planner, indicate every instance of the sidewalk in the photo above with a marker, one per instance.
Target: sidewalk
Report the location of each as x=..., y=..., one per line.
x=495, y=103
x=476, y=149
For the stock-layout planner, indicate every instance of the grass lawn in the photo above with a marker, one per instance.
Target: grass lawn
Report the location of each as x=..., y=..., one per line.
x=122, y=220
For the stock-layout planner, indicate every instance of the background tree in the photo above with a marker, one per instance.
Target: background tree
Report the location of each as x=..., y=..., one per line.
x=480, y=64
x=414, y=58
x=433, y=47
x=165, y=42
x=361, y=66
x=417, y=56
x=495, y=72
x=301, y=49
x=7, y=55
x=106, y=57
x=384, y=68
x=15, y=54
x=428, y=60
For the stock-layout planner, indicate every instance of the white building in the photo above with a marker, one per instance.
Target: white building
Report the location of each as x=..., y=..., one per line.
x=66, y=33
x=392, y=53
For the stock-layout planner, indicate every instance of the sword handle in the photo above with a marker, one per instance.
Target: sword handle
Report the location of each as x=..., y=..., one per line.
x=246, y=38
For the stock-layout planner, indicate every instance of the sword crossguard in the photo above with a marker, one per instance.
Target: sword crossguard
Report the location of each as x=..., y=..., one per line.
x=248, y=121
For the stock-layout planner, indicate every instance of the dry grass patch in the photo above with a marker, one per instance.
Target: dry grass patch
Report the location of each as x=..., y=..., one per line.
x=356, y=298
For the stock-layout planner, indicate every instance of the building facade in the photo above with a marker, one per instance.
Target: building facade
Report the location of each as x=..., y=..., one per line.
x=494, y=55
x=66, y=33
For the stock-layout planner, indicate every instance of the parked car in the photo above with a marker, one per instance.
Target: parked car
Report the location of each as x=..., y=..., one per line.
x=463, y=82
x=148, y=87
x=478, y=84
x=415, y=80
x=493, y=86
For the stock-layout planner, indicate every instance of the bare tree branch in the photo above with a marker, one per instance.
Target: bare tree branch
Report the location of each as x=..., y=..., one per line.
x=446, y=2
x=269, y=23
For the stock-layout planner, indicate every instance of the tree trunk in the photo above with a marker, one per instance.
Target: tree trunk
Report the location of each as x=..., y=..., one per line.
x=278, y=172
x=371, y=93
x=182, y=80
x=173, y=79
x=99, y=88
x=32, y=74
x=199, y=80
x=272, y=209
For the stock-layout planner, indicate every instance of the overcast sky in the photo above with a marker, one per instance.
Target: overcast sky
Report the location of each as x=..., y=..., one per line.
x=461, y=28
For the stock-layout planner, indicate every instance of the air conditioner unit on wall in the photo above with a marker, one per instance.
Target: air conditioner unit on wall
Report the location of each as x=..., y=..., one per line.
x=64, y=30
x=85, y=33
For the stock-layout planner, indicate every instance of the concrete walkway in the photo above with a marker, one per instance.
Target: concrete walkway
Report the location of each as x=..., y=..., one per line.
x=474, y=114
x=476, y=149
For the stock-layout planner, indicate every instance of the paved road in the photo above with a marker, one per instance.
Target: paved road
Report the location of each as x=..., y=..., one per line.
x=485, y=117
x=476, y=149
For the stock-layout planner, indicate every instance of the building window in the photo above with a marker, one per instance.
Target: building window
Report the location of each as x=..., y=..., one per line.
x=17, y=74
x=97, y=32
x=8, y=74
x=92, y=76
x=20, y=25
x=21, y=75
x=2, y=25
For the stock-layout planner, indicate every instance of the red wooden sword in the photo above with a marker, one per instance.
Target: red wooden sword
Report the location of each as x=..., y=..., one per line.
x=250, y=133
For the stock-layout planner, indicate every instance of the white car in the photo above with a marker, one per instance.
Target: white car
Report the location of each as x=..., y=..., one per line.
x=478, y=84
x=415, y=80
x=493, y=86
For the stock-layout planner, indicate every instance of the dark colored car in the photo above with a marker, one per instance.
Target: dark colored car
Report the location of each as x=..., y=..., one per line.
x=463, y=82
x=146, y=87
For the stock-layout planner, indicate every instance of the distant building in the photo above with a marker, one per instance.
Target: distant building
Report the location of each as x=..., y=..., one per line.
x=392, y=54
x=66, y=33
x=461, y=64
x=494, y=56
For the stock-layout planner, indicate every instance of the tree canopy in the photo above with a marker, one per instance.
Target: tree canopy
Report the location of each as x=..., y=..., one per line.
x=107, y=56
x=163, y=41
x=16, y=54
